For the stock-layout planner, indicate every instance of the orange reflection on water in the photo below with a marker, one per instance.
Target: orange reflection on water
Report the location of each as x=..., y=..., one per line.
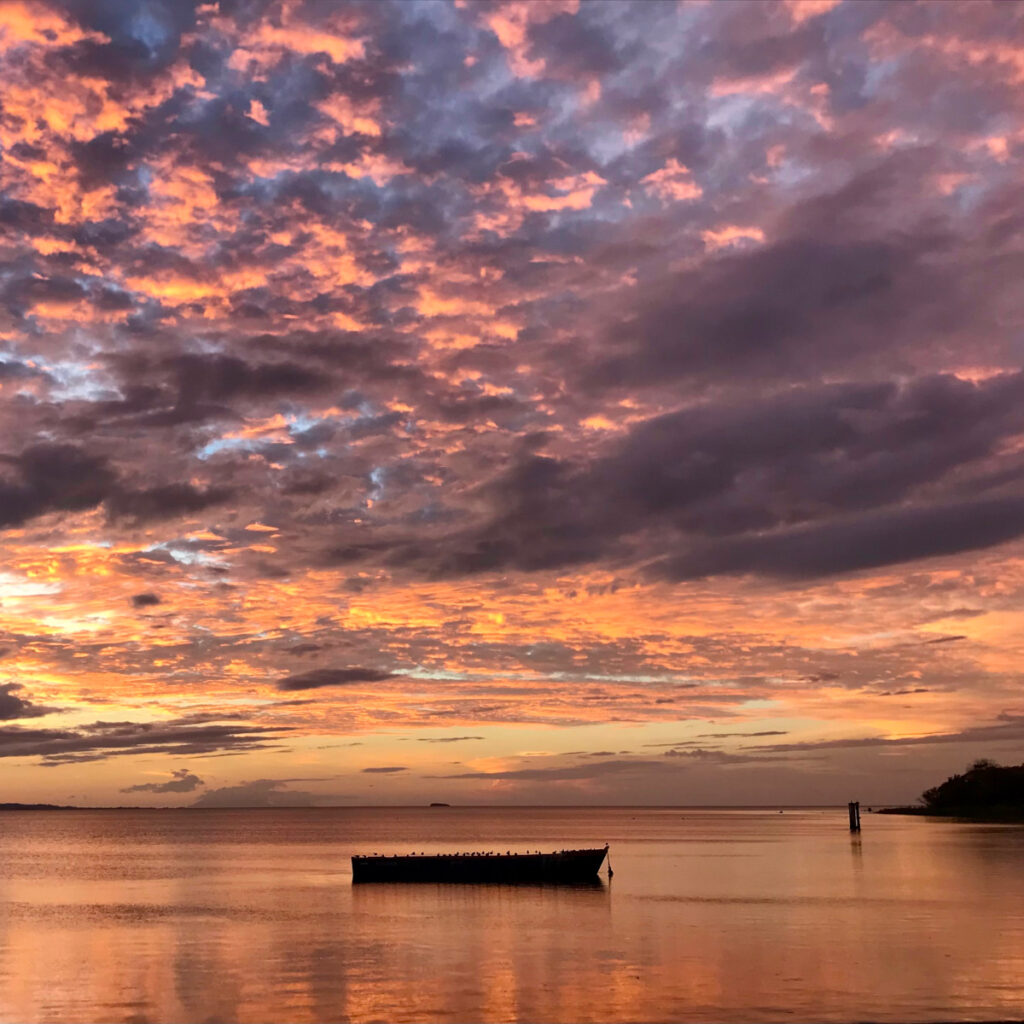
x=252, y=916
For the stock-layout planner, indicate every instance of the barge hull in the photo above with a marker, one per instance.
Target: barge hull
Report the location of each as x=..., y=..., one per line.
x=561, y=867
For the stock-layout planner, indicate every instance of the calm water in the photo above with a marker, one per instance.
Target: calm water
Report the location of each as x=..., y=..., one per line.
x=711, y=915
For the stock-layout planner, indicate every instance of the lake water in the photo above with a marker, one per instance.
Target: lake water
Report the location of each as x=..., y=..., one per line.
x=711, y=916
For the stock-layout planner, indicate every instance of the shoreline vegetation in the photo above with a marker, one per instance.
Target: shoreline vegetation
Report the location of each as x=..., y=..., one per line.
x=986, y=791
x=37, y=807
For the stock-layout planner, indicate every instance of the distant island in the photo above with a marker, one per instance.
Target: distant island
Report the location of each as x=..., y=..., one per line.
x=36, y=807
x=71, y=807
x=985, y=792
x=438, y=804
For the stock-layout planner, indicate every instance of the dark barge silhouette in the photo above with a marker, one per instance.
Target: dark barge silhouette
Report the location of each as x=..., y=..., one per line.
x=561, y=867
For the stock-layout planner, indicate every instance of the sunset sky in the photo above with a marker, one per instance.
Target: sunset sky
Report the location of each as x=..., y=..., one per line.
x=542, y=402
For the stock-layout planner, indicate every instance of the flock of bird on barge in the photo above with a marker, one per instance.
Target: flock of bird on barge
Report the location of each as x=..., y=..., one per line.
x=560, y=867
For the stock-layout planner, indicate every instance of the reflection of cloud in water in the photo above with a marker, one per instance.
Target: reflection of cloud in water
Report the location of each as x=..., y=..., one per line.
x=244, y=915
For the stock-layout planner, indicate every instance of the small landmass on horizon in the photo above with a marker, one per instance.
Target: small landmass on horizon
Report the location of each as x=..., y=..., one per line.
x=985, y=792
x=37, y=807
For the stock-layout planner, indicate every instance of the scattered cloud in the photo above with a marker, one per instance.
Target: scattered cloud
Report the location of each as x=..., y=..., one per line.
x=101, y=740
x=181, y=781
x=508, y=367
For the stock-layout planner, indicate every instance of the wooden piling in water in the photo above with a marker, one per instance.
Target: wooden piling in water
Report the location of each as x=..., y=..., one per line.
x=854, y=807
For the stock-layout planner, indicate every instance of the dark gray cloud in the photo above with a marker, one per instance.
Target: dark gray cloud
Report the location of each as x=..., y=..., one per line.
x=11, y=369
x=700, y=755
x=589, y=770
x=810, y=481
x=100, y=740
x=865, y=542
x=1010, y=726
x=145, y=600
x=65, y=478
x=12, y=706
x=741, y=315
x=575, y=46
x=51, y=477
x=123, y=46
x=729, y=735
x=671, y=761
x=321, y=677
x=181, y=781
x=216, y=378
x=262, y=793
x=386, y=770
x=447, y=739
x=165, y=501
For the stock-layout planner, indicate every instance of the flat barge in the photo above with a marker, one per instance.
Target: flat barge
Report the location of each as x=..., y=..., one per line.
x=561, y=867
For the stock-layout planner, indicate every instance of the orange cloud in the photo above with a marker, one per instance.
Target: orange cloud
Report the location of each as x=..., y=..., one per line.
x=672, y=183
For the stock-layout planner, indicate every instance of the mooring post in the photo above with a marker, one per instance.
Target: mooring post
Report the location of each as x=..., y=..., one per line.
x=854, y=807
